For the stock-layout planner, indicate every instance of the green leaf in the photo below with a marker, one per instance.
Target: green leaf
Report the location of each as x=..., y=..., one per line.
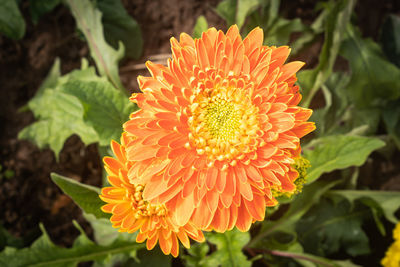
x=374, y=79
x=338, y=152
x=72, y=104
x=104, y=233
x=309, y=34
x=38, y=8
x=196, y=255
x=8, y=240
x=85, y=196
x=88, y=19
x=236, y=11
x=60, y=116
x=44, y=253
x=390, y=38
x=340, y=116
x=282, y=239
x=51, y=78
x=280, y=33
x=388, y=201
x=330, y=227
x=391, y=118
x=227, y=9
x=298, y=207
x=119, y=26
x=229, y=249
x=12, y=24
x=277, y=30
x=329, y=118
x=105, y=108
x=151, y=258
x=335, y=24
x=200, y=26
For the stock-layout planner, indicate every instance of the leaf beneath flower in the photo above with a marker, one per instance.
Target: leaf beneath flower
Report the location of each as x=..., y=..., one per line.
x=43, y=252
x=388, y=201
x=338, y=152
x=228, y=254
x=331, y=226
x=85, y=196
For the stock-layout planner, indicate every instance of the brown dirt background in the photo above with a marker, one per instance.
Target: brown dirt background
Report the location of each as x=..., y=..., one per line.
x=30, y=196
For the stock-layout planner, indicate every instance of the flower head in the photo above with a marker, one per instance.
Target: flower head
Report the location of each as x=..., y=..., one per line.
x=130, y=212
x=392, y=256
x=218, y=129
x=300, y=165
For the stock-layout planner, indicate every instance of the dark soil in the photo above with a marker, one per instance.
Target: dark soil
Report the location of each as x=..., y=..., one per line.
x=30, y=197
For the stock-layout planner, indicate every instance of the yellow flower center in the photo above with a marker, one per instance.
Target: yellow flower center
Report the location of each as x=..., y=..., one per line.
x=223, y=121
x=141, y=207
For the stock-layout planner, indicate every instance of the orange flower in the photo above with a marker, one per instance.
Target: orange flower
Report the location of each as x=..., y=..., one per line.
x=130, y=212
x=218, y=128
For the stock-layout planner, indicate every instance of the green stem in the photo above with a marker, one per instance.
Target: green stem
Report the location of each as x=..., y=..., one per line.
x=103, y=152
x=307, y=101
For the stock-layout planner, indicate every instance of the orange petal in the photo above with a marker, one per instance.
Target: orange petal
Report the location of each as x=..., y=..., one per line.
x=153, y=189
x=241, y=173
x=256, y=207
x=202, y=216
x=253, y=173
x=232, y=217
x=221, y=181
x=221, y=220
x=245, y=191
x=128, y=221
x=211, y=178
x=303, y=129
x=122, y=208
x=254, y=39
x=141, y=237
x=212, y=198
x=165, y=244
x=116, y=148
x=113, y=164
x=141, y=153
x=150, y=244
x=244, y=219
x=175, y=246
x=182, y=235
x=233, y=32
x=279, y=56
x=108, y=208
x=183, y=210
x=289, y=70
x=268, y=175
x=189, y=186
x=186, y=40
x=266, y=151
